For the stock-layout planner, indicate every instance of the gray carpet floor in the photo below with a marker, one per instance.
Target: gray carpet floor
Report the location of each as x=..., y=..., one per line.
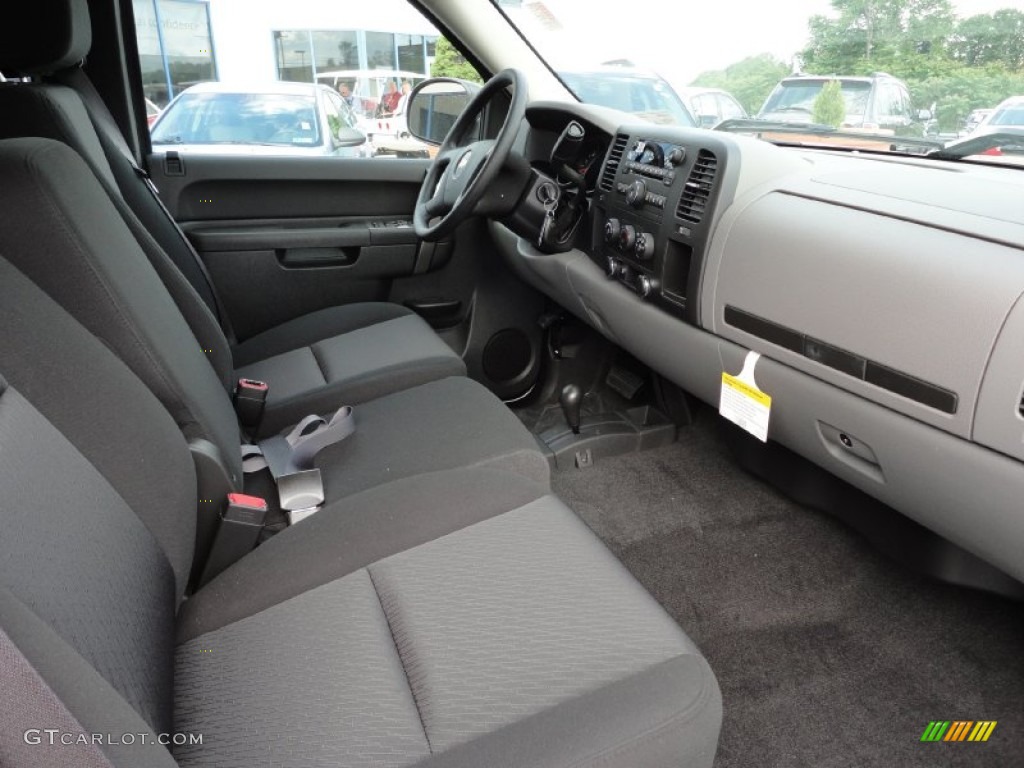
x=827, y=653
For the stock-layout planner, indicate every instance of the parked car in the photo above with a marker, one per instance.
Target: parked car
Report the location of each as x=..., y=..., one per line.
x=1008, y=113
x=643, y=94
x=152, y=112
x=879, y=102
x=710, y=106
x=974, y=119
x=387, y=132
x=273, y=119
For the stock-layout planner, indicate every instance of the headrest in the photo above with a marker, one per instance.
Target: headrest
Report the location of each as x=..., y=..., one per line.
x=47, y=36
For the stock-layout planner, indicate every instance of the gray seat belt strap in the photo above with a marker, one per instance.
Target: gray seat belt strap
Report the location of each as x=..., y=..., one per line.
x=290, y=459
x=28, y=709
x=296, y=451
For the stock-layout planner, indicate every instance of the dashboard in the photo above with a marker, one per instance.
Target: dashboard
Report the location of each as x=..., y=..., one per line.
x=883, y=294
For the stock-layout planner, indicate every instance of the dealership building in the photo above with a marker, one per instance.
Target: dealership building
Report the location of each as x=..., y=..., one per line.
x=182, y=42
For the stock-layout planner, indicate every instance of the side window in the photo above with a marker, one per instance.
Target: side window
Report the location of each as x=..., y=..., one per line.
x=706, y=105
x=903, y=103
x=890, y=105
x=175, y=47
x=730, y=109
x=370, y=57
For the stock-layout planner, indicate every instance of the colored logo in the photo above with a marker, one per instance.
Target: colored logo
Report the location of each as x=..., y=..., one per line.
x=958, y=730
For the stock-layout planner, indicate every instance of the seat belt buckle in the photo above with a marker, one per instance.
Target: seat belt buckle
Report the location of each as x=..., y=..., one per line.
x=241, y=523
x=250, y=400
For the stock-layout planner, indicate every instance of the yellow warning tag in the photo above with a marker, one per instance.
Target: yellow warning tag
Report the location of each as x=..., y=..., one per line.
x=743, y=403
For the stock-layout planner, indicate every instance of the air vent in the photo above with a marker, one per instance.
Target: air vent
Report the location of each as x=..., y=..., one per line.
x=611, y=165
x=697, y=190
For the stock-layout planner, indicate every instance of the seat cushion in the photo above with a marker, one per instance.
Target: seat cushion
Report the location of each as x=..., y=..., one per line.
x=516, y=640
x=447, y=424
x=343, y=355
x=349, y=534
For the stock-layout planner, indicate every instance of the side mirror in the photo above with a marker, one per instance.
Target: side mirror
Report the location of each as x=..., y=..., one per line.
x=705, y=120
x=347, y=136
x=435, y=104
x=924, y=114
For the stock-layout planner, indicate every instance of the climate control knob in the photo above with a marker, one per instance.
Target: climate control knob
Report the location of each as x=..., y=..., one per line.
x=611, y=231
x=645, y=286
x=627, y=237
x=644, y=248
x=635, y=194
x=615, y=268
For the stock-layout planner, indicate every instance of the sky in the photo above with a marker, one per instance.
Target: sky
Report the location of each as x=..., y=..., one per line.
x=680, y=39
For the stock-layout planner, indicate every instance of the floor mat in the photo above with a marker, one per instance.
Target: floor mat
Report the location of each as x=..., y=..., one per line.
x=827, y=653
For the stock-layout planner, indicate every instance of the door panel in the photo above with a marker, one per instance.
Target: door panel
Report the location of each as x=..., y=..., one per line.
x=203, y=188
x=284, y=236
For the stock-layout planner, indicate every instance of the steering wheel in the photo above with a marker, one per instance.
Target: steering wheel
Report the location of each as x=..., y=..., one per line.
x=461, y=172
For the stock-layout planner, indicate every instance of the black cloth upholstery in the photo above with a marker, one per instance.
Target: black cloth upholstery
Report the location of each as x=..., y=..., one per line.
x=350, y=367
x=70, y=377
x=46, y=35
x=84, y=573
x=444, y=424
x=446, y=616
x=373, y=525
x=58, y=227
x=313, y=327
x=500, y=640
x=53, y=111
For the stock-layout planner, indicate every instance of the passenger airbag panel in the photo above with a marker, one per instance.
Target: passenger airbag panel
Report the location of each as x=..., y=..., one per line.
x=898, y=312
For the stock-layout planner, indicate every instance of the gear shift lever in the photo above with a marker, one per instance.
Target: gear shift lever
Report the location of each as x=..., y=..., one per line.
x=571, y=400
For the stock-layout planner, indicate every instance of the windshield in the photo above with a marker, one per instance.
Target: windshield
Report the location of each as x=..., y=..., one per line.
x=1009, y=116
x=800, y=96
x=239, y=118
x=649, y=98
x=910, y=69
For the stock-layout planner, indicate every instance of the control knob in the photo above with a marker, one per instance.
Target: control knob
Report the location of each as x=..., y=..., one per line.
x=615, y=268
x=611, y=231
x=644, y=248
x=627, y=237
x=635, y=194
x=676, y=156
x=645, y=286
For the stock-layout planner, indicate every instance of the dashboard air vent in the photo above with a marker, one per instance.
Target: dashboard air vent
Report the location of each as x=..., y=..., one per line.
x=611, y=165
x=697, y=190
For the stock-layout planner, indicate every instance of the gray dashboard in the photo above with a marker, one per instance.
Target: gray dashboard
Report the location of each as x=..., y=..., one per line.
x=884, y=295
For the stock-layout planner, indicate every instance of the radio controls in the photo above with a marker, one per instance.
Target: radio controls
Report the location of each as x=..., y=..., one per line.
x=644, y=248
x=645, y=286
x=627, y=237
x=611, y=231
x=676, y=156
x=615, y=268
x=636, y=194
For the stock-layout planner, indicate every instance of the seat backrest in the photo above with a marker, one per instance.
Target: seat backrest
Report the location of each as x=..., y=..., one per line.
x=57, y=112
x=59, y=227
x=97, y=499
x=74, y=113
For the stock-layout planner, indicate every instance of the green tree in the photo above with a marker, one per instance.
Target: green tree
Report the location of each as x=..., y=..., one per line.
x=749, y=80
x=829, y=107
x=870, y=35
x=449, y=62
x=991, y=38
